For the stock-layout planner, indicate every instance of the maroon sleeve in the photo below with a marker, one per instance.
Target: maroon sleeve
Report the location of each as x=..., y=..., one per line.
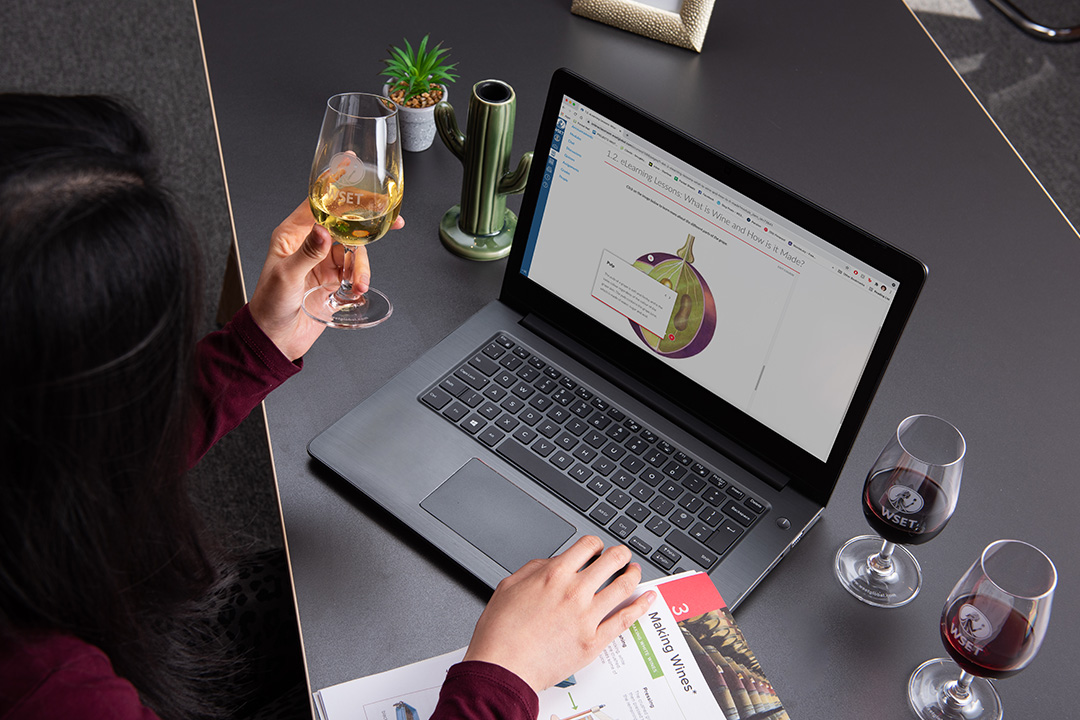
x=63, y=677
x=235, y=368
x=483, y=691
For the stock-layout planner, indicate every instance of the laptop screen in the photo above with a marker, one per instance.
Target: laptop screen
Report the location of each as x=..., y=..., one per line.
x=731, y=294
x=749, y=315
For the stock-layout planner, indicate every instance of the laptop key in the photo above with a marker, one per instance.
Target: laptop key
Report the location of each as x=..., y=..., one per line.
x=617, y=433
x=490, y=410
x=551, y=478
x=755, y=505
x=494, y=393
x=599, y=420
x=632, y=464
x=638, y=512
x=494, y=350
x=674, y=469
x=638, y=545
x=723, y=538
x=508, y=422
x=471, y=398
x=548, y=429
x=511, y=362
x=472, y=378
x=561, y=460
x=530, y=417
x=566, y=441
x=543, y=447
x=622, y=479
x=512, y=404
x=655, y=458
x=484, y=364
x=652, y=477
x=741, y=514
x=603, y=513
x=595, y=439
x=658, y=526
x=525, y=434
x=585, y=454
x=576, y=427
x=599, y=485
x=437, y=398
x=710, y=517
x=491, y=436
x=621, y=528
x=661, y=505
x=665, y=557
x=692, y=549
x=453, y=385
x=580, y=472
x=603, y=466
x=618, y=498
x=456, y=411
x=473, y=424
x=691, y=503
x=681, y=519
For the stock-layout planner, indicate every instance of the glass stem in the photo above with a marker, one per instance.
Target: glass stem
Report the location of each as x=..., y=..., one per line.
x=956, y=694
x=345, y=294
x=882, y=562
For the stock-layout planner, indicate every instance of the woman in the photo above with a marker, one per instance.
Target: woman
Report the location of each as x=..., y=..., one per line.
x=111, y=598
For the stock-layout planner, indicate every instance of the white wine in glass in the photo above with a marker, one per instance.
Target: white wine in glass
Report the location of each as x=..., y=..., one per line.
x=355, y=192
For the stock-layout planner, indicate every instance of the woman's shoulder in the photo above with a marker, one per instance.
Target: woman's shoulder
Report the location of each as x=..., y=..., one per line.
x=50, y=675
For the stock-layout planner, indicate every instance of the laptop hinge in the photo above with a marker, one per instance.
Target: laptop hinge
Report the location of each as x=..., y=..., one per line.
x=671, y=411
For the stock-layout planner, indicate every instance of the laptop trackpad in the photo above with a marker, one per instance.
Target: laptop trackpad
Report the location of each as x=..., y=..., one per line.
x=496, y=516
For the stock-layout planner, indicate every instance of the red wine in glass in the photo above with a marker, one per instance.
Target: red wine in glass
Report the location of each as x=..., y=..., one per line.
x=986, y=637
x=908, y=497
x=992, y=625
x=905, y=506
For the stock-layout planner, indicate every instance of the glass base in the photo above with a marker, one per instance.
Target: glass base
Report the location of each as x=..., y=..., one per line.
x=929, y=696
x=891, y=586
x=322, y=304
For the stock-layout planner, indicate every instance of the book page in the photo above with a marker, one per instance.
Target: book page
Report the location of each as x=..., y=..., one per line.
x=684, y=659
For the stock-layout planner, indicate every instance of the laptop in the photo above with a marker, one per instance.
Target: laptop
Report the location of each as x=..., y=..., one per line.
x=679, y=360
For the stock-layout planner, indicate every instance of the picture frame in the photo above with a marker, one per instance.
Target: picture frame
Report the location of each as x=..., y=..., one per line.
x=684, y=27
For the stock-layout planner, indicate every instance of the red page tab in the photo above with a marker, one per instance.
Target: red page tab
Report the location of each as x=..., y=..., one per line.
x=691, y=596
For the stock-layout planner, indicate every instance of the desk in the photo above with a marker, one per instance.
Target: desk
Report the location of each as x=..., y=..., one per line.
x=847, y=102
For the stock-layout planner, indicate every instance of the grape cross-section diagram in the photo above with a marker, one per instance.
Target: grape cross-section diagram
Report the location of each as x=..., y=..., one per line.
x=693, y=320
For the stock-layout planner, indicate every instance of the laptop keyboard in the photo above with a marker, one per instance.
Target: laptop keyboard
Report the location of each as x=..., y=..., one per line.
x=642, y=488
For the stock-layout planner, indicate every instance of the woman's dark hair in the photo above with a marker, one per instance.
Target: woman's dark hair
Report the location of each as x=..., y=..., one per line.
x=99, y=290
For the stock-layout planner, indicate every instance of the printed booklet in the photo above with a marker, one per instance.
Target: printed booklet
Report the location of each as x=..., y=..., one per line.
x=685, y=659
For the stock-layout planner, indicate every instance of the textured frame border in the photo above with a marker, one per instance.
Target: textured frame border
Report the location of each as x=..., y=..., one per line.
x=685, y=28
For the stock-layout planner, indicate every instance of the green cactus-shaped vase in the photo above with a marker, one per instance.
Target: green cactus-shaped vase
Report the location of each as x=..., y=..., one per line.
x=481, y=227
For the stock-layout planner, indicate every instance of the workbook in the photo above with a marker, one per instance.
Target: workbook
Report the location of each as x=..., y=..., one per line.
x=684, y=659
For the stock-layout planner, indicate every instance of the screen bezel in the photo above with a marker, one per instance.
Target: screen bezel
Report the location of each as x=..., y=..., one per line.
x=802, y=470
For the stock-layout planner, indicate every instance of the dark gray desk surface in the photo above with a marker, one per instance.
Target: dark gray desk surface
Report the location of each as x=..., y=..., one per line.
x=847, y=102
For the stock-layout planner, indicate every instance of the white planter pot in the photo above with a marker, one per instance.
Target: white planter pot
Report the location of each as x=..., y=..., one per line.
x=417, y=125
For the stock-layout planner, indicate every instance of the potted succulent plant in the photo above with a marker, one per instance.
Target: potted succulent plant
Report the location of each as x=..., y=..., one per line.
x=417, y=82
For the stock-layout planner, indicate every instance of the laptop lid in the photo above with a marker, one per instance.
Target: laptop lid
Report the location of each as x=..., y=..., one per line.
x=764, y=319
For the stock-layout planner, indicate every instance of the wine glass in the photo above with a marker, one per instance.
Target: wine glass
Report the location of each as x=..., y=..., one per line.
x=355, y=192
x=992, y=625
x=909, y=496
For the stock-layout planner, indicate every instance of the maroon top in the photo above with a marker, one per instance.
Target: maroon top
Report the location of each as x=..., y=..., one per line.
x=51, y=675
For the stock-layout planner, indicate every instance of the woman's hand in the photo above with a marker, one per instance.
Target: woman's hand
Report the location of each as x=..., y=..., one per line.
x=548, y=620
x=301, y=256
